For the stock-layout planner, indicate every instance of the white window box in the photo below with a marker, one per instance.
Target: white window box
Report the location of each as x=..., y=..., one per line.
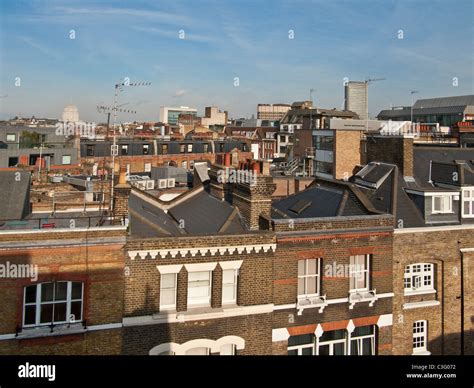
x=319, y=301
x=427, y=303
x=362, y=296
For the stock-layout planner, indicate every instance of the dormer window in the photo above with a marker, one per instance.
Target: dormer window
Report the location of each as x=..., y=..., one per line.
x=442, y=204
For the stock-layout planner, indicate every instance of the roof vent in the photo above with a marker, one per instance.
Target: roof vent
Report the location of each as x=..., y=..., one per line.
x=300, y=206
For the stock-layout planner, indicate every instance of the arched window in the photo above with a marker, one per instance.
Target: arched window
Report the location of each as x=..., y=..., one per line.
x=53, y=303
x=419, y=278
x=227, y=345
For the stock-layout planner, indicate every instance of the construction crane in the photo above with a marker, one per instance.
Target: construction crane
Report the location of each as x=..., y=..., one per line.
x=368, y=81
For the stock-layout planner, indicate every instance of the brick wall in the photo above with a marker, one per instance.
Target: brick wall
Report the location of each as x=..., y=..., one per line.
x=99, y=266
x=347, y=153
x=254, y=329
x=441, y=248
x=391, y=149
x=142, y=280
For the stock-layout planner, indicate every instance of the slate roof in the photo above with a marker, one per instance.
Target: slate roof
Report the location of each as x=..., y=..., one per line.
x=196, y=212
x=14, y=194
x=423, y=155
x=319, y=200
x=388, y=194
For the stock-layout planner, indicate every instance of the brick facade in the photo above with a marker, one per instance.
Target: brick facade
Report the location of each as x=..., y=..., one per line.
x=443, y=249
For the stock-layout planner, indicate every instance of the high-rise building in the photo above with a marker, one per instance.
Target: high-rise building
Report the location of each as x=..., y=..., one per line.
x=355, y=98
x=170, y=115
x=272, y=111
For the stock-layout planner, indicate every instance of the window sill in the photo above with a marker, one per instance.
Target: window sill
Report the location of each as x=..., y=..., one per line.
x=414, y=305
x=420, y=292
x=45, y=331
x=421, y=353
x=358, y=296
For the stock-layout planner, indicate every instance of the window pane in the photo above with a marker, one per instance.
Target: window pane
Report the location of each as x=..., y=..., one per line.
x=311, y=283
x=47, y=292
x=338, y=349
x=362, y=330
x=61, y=291
x=76, y=292
x=76, y=310
x=46, y=313
x=228, y=293
x=197, y=276
x=307, y=351
x=198, y=292
x=332, y=335
x=228, y=276
x=293, y=352
x=301, y=286
x=168, y=280
x=300, y=339
x=354, y=348
x=60, y=312
x=311, y=267
x=167, y=297
x=324, y=350
x=30, y=315
x=301, y=268
x=30, y=294
x=367, y=347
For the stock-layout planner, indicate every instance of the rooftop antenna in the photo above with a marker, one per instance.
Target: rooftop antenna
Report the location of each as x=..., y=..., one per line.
x=119, y=87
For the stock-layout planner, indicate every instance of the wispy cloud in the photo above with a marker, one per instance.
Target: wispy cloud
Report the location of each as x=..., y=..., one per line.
x=47, y=51
x=176, y=34
x=179, y=93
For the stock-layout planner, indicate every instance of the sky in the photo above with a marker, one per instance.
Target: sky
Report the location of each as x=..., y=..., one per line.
x=276, y=50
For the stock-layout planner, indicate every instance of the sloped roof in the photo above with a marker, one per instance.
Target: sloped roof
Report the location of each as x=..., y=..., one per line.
x=319, y=201
x=14, y=194
x=387, y=193
x=441, y=102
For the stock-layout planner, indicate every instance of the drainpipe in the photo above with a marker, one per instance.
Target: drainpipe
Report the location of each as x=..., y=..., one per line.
x=462, y=303
x=429, y=180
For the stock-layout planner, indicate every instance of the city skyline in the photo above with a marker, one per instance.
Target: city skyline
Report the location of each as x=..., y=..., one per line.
x=278, y=53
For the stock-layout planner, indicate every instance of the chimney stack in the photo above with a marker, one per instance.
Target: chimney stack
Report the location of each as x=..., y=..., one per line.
x=121, y=194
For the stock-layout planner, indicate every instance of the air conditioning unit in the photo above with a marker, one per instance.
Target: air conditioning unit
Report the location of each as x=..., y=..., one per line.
x=150, y=185
x=162, y=183
x=171, y=182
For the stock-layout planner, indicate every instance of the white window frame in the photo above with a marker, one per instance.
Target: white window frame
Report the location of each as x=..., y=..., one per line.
x=331, y=344
x=201, y=267
x=467, y=196
x=416, y=275
x=354, y=271
x=11, y=134
x=199, y=301
x=38, y=303
x=307, y=277
x=173, y=305
x=446, y=204
x=147, y=167
x=299, y=348
x=69, y=160
x=360, y=343
x=420, y=336
x=233, y=284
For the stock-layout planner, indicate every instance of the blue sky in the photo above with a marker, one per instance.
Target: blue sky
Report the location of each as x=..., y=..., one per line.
x=227, y=39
